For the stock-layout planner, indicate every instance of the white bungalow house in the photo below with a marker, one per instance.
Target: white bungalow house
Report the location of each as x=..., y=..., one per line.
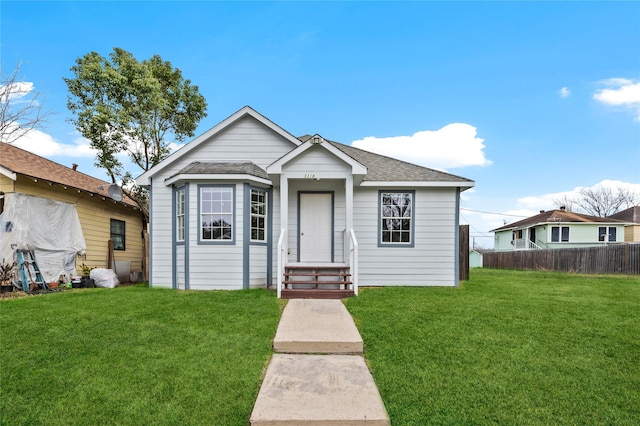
x=246, y=204
x=558, y=229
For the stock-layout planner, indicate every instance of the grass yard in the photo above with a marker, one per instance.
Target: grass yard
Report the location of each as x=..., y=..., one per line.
x=509, y=347
x=134, y=356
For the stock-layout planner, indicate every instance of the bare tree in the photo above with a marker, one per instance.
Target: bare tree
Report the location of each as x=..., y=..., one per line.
x=568, y=203
x=20, y=107
x=605, y=201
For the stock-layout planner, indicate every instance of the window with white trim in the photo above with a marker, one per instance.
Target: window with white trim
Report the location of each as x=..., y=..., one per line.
x=258, y=215
x=559, y=234
x=396, y=218
x=180, y=213
x=611, y=235
x=216, y=213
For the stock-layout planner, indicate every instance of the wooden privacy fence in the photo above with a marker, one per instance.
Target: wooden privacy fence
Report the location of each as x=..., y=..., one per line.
x=611, y=259
x=464, y=252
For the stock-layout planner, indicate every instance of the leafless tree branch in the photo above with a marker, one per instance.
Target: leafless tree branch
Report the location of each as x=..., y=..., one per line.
x=21, y=110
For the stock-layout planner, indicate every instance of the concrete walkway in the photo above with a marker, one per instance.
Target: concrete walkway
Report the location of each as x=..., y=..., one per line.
x=303, y=387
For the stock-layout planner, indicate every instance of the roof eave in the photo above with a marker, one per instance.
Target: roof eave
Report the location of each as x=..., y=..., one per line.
x=186, y=177
x=423, y=184
x=8, y=173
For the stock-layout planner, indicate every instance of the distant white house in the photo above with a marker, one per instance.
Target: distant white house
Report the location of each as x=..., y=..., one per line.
x=475, y=259
x=247, y=204
x=558, y=229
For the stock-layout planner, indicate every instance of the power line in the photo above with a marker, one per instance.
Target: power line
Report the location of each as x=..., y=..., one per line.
x=498, y=214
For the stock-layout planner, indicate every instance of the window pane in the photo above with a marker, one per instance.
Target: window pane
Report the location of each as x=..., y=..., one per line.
x=602, y=231
x=612, y=234
x=117, y=234
x=555, y=234
x=258, y=215
x=565, y=233
x=396, y=217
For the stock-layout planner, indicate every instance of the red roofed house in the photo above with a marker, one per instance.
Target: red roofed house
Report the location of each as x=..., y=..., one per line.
x=25, y=174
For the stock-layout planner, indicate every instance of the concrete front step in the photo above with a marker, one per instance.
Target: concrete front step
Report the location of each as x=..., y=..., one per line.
x=317, y=326
x=318, y=390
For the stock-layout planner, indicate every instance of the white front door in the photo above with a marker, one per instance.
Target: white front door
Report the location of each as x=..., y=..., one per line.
x=315, y=227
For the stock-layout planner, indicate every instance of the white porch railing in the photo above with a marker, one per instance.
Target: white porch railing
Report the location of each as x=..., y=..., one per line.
x=525, y=244
x=282, y=260
x=353, y=260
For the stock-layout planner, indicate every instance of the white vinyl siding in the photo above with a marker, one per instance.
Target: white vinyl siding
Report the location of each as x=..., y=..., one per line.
x=215, y=266
x=316, y=161
x=246, y=140
x=432, y=259
x=180, y=267
x=258, y=266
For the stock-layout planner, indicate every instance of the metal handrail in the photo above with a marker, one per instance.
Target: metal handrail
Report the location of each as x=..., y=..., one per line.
x=282, y=250
x=353, y=260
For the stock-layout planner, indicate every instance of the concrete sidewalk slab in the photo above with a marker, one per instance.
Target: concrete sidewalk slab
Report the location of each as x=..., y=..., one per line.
x=317, y=326
x=318, y=390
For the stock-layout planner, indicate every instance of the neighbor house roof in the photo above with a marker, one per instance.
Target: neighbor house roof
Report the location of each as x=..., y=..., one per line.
x=556, y=216
x=381, y=168
x=632, y=214
x=16, y=160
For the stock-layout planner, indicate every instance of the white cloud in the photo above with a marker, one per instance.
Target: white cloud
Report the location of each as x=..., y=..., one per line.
x=454, y=145
x=620, y=92
x=564, y=92
x=45, y=145
x=16, y=90
x=535, y=203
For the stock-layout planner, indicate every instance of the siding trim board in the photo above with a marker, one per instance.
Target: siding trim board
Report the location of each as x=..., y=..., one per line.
x=246, y=217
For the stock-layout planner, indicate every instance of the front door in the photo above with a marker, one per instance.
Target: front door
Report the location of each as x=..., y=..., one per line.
x=316, y=218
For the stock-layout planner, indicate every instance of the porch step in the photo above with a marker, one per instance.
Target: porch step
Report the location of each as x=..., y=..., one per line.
x=316, y=277
x=317, y=326
x=312, y=293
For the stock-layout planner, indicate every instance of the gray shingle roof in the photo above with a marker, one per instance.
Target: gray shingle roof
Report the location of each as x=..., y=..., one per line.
x=381, y=168
x=224, y=168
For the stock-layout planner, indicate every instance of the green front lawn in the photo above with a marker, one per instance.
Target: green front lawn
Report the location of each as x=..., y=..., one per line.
x=506, y=348
x=509, y=347
x=134, y=356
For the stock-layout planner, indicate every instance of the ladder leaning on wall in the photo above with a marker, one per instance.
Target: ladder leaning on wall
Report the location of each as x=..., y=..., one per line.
x=28, y=270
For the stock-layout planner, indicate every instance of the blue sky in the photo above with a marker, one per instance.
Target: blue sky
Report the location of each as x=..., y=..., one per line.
x=532, y=100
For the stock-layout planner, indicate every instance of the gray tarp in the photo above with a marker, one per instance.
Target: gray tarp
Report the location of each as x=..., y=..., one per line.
x=50, y=228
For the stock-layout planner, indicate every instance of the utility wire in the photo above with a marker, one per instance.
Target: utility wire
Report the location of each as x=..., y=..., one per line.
x=498, y=214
